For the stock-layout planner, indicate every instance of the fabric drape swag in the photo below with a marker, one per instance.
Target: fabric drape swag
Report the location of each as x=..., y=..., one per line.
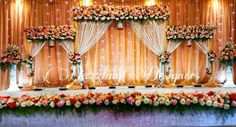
x=171, y=46
x=204, y=47
x=88, y=34
x=152, y=34
x=69, y=47
x=33, y=49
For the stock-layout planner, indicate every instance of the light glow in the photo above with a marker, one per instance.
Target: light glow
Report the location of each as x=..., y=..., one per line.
x=86, y=2
x=150, y=2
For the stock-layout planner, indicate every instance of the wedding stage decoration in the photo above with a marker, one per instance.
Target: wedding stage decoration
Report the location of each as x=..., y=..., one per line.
x=10, y=60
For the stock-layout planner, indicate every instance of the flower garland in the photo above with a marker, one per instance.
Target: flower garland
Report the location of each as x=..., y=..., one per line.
x=74, y=58
x=211, y=56
x=210, y=99
x=10, y=57
x=120, y=13
x=188, y=32
x=41, y=33
x=165, y=58
x=227, y=54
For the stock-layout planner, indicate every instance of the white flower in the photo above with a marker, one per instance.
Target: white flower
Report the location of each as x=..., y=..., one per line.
x=108, y=18
x=195, y=100
x=226, y=106
x=23, y=104
x=52, y=104
x=103, y=18
x=215, y=103
x=77, y=104
x=123, y=101
x=68, y=103
x=161, y=100
x=167, y=102
x=209, y=103
x=106, y=102
x=114, y=102
x=38, y=104
x=29, y=103
x=145, y=100
x=96, y=18
x=155, y=103
x=202, y=102
x=138, y=103
x=91, y=101
x=182, y=101
x=1, y=106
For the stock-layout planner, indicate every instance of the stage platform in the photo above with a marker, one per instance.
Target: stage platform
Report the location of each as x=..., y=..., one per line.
x=120, y=89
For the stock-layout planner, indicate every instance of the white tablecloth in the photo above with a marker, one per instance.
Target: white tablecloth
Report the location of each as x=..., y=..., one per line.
x=119, y=89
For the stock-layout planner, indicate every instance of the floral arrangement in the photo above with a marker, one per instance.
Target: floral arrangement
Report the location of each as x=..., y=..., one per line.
x=165, y=58
x=74, y=58
x=10, y=57
x=120, y=13
x=80, y=102
x=29, y=61
x=227, y=54
x=211, y=56
x=195, y=32
x=41, y=33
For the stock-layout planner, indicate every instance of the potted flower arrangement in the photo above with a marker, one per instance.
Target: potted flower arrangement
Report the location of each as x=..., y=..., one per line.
x=10, y=59
x=227, y=55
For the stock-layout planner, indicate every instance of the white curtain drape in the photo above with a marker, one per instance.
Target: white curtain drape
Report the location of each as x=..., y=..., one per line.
x=152, y=34
x=203, y=46
x=67, y=45
x=34, y=49
x=171, y=46
x=88, y=34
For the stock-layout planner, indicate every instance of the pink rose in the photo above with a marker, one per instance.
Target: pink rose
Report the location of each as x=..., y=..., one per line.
x=85, y=101
x=131, y=100
x=173, y=101
x=44, y=103
x=188, y=102
x=98, y=102
x=234, y=103
x=60, y=103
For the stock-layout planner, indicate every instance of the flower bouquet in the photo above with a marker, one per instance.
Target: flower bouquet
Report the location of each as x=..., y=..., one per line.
x=29, y=63
x=211, y=56
x=165, y=58
x=10, y=57
x=119, y=13
x=227, y=55
x=74, y=58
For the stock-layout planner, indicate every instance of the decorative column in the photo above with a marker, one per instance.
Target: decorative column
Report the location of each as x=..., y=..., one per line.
x=13, y=85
